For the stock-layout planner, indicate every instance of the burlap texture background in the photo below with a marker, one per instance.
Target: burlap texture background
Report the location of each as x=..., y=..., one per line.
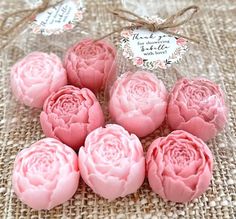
x=215, y=25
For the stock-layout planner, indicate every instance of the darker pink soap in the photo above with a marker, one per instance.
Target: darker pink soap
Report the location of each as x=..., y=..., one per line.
x=90, y=64
x=197, y=106
x=70, y=114
x=179, y=166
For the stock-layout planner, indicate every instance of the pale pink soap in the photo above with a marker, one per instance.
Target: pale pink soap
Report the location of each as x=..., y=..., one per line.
x=197, y=106
x=36, y=76
x=111, y=162
x=70, y=114
x=90, y=64
x=138, y=102
x=179, y=166
x=46, y=174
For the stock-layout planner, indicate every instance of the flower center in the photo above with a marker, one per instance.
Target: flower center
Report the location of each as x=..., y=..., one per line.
x=111, y=150
x=89, y=51
x=38, y=68
x=196, y=94
x=68, y=106
x=139, y=90
x=40, y=164
x=181, y=155
x=181, y=158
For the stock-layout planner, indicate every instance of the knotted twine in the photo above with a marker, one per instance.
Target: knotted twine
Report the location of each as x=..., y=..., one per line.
x=176, y=20
x=29, y=14
x=137, y=21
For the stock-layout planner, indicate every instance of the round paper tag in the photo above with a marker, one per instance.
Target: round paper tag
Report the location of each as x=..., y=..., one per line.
x=59, y=18
x=152, y=50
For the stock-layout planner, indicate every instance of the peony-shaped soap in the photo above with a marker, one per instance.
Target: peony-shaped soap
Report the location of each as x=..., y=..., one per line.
x=179, y=166
x=111, y=162
x=138, y=102
x=46, y=174
x=90, y=64
x=70, y=114
x=197, y=106
x=36, y=76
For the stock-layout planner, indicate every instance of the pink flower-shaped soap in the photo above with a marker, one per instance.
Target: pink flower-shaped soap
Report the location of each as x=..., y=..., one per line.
x=197, y=106
x=112, y=162
x=36, y=76
x=90, y=64
x=138, y=102
x=179, y=166
x=70, y=114
x=46, y=174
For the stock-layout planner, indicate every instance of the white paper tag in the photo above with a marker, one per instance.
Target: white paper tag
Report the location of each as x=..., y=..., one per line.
x=152, y=50
x=58, y=19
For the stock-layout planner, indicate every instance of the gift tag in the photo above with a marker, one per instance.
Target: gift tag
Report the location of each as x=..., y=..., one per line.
x=59, y=18
x=152, y=50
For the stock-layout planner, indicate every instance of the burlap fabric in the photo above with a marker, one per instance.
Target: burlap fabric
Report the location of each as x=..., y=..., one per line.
x=215, y=59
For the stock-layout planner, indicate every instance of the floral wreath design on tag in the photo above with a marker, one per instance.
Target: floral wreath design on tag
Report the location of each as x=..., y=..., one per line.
x=78, y=16
x=175, y=57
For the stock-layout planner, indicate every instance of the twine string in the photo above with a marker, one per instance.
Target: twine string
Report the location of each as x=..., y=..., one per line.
x=28, y=15
x=176, y=20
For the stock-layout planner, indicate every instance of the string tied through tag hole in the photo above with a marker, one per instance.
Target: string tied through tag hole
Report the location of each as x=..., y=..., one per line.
x=174, y=21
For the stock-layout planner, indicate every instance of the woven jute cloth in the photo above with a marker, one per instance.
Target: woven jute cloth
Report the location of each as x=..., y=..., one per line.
x=215, y=59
